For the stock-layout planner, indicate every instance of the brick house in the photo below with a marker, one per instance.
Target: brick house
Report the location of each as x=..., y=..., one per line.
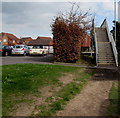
x=87, y=46
x=86, y=43
x=8, y=39
x=25, y=40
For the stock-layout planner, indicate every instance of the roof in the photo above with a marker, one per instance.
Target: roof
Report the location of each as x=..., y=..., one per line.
x=47, y=38
x=0, y=36
x=10, y=36
x=20, y=45
x=86, y=41
x=46, y=41
x=23, y=39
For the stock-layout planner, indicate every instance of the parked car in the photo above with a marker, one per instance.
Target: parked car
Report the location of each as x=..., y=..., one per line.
x=20, y=50
x=5, y=50
x=38, y=50
x=0, y=50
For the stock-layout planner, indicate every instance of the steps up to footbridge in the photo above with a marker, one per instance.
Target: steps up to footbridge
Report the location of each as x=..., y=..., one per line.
x=106, y=52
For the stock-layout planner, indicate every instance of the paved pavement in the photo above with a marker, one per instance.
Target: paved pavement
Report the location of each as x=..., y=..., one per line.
x=26, y=59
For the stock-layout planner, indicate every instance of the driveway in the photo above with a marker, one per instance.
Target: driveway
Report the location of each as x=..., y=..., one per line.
x=27, y=59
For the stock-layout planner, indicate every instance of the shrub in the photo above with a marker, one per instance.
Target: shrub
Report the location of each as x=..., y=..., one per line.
x=68, y=32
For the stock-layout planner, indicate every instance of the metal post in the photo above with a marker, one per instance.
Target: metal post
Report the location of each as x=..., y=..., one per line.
x=115, y=19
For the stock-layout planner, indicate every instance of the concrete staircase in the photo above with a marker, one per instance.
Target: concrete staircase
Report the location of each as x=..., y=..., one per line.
x=105, y=55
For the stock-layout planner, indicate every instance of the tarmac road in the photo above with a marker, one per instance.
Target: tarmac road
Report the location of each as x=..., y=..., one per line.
x=48, y=59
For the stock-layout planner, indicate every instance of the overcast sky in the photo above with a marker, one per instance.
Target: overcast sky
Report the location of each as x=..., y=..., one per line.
x=33, y=19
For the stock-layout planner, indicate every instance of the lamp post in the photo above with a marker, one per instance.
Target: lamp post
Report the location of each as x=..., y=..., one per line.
x=119, y=11
x=115, y=19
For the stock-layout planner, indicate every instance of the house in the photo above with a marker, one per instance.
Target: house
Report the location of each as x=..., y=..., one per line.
x=25, y=40
x=8, y=39
x=86, y=43
x=87, y=46
x=46, y=42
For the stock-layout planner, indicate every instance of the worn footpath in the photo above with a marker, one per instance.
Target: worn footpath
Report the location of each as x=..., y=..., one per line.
x=93, y=99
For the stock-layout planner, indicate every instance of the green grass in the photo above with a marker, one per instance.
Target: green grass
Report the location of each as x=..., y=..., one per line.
x=114, y=98
x=20, y=80
x=28, y=77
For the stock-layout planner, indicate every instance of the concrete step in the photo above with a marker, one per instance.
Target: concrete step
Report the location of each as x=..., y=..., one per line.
x=101, y=47
x=105, y=56
x=106, y=59
x=104, y=43
x=106, y=63
x=104, y=49
x=105, y=53
x=101, y=34
x=112, y=59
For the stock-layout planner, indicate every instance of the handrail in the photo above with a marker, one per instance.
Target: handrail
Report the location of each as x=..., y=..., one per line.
x=96, y=46
x=103, y=23
x=110, y=37
x=114, y=48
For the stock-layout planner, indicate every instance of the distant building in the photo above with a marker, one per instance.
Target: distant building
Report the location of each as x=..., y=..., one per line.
x=46, y=42
x=8, y=39
x=25, y=40
x=86, y=43
x=119, y=11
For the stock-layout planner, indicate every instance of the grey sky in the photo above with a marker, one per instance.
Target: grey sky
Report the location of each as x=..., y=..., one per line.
x=29, y=18
x=34, y=18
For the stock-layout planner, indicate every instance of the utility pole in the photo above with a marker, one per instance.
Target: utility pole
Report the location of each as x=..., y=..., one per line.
x=119, y=11
x=115, y=18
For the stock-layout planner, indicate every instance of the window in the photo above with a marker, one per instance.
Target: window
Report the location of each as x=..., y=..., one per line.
x=4, y=40
x=37, y=47
x=6, y=47
x=18, y=46
x=26, y=47
x=27, y=42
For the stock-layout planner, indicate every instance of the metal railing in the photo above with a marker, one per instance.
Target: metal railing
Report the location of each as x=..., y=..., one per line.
x=96, y=45
x=111, y=40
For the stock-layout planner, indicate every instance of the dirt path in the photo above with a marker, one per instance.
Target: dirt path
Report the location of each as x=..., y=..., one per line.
x=93, y=99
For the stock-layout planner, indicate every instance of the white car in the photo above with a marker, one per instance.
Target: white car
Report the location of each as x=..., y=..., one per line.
x=38, y=50
x=20, y=49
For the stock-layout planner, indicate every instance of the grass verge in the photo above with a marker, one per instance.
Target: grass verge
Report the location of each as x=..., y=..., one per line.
x=114, y=98
x=21, y=80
